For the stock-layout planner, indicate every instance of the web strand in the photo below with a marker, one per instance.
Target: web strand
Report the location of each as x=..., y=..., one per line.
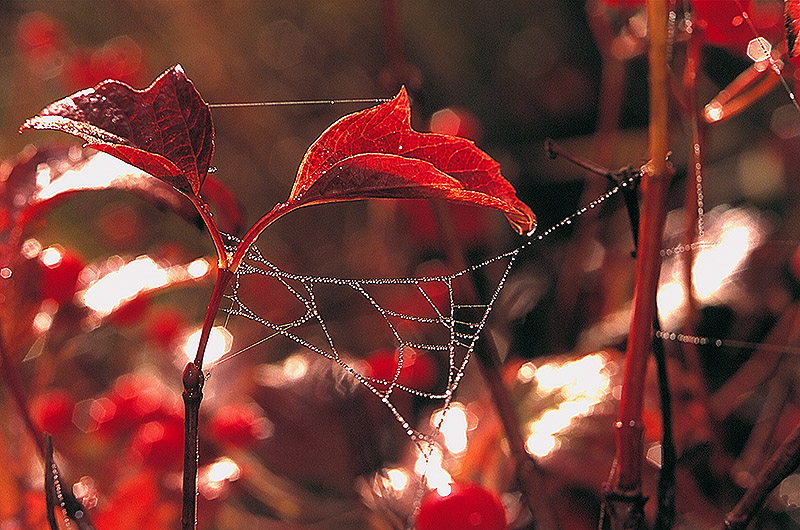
x=246, y=104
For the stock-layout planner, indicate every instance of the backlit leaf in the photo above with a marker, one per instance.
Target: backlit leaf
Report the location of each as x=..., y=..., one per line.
x=165, y=129
x=375, y=153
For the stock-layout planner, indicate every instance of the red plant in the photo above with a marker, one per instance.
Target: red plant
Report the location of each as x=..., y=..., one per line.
x=166, y=130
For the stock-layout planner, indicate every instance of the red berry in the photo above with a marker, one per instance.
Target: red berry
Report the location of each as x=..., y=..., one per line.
x=52, y=411
x=237, y=425
x=119, y=59
x=166, y=325
x=133, y=400
x=465, y=507
x=159, y=443
x=60, y=273
x=39, y=36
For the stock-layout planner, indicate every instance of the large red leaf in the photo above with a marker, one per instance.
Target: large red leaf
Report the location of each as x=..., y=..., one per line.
x=375, y=153
x=165, y=129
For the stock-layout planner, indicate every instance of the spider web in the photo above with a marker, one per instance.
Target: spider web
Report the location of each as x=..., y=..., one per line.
x=446, y=321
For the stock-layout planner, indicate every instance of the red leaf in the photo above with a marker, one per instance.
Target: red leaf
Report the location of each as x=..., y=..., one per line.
x=165, y=129
x=376, y=154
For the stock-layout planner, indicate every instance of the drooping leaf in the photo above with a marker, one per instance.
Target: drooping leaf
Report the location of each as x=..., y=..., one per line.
x=375, y=153
x=165, y=129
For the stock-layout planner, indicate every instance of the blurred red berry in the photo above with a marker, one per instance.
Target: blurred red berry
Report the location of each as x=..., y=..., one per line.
x=465, y=507
x=60, y=272
x=39, y=37
x=131, y=505
x=133, y=400
x=159, y=443
x=165, y=325
x=77, y=73
x=120, y=58
x=52, y=411
x=237, y=425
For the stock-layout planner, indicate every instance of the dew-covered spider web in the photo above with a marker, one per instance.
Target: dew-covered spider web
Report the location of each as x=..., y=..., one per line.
x=439, y=315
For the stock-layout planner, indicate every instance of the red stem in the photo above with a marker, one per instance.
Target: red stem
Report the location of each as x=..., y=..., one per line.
x=252, y=234
x=193, y=381
x=216, y=235
x=224, y=277
x=656, y=177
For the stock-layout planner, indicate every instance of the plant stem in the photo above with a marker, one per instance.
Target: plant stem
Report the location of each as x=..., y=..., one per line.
x=625, y=484
x=252, y=234
x=783, y=462
x=193, y=381
x=49, y=482
x=528, y=473
x=665, y=502
x=192, y=396
x=224, y=277
x=211, y=225
x=554, y=150
x=748, y=87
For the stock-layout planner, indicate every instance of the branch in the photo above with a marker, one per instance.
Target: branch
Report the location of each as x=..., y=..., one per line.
x=624, y=492
x=782, y=464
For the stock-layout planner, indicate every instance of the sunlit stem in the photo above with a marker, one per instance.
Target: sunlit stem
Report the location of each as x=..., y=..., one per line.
x=747, y=88
x=224, y=277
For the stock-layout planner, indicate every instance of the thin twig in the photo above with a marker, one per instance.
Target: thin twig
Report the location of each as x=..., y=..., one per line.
x=528, y=474
x=665, y=501
x=49, y=482
x=782, y=464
